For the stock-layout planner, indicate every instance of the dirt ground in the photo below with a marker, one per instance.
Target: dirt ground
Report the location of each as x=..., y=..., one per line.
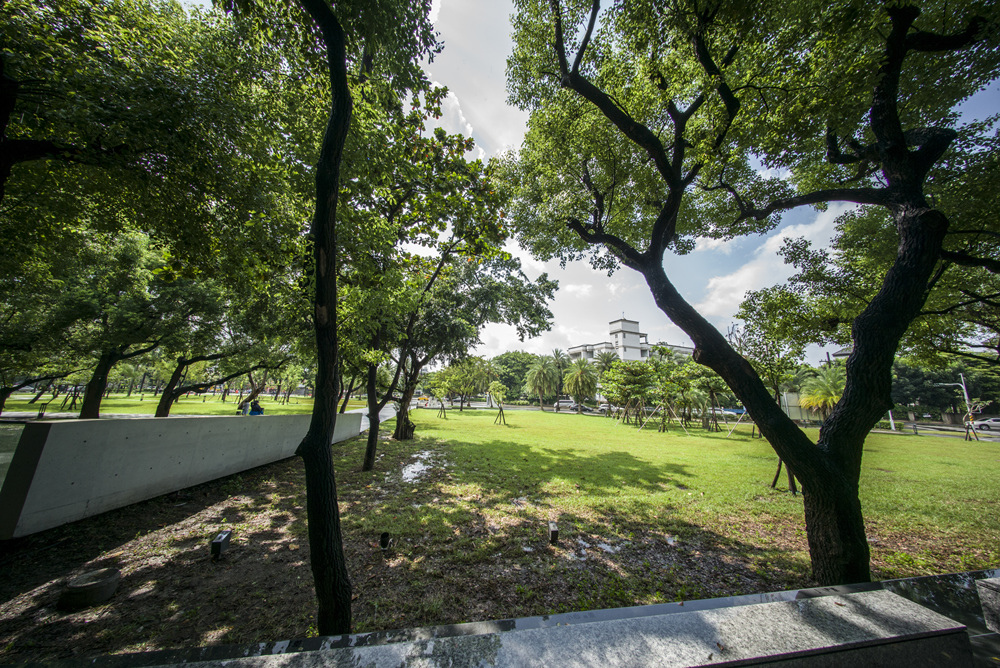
x=476, y=564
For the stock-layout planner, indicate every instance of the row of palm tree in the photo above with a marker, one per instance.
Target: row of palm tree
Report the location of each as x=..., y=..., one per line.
x=555, y=374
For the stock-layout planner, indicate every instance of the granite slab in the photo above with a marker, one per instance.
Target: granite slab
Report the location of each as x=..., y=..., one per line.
x=867, y=628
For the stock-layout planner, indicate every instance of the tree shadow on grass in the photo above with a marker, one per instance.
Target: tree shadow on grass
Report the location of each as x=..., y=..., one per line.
x=470, y=542
x=473, y=544
x=171, y=593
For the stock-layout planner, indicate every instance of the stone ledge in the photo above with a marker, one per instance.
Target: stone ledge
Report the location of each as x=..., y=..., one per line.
x=989, y=597
x=868, y=628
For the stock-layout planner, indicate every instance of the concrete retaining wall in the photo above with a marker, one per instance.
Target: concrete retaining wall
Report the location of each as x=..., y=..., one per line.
x=63, y=471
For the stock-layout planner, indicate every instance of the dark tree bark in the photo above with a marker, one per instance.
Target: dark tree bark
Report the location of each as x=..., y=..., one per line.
x=326, y=549
x=91, y=408
x=7, y=390
x=352, y=387
x=175, y=387
x=405, y=427
x=38, y=395
x=373, y=419
x=14, y=151
x=375, y=406
x=98, y=383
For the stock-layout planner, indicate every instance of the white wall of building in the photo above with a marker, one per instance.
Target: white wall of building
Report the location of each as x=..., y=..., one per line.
x=626, y=341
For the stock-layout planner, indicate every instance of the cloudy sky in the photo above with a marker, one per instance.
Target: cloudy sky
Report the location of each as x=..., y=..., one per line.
x=476, y=35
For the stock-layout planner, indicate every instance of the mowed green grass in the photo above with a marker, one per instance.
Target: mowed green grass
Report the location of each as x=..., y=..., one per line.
x=192, y=405
x=930, y=503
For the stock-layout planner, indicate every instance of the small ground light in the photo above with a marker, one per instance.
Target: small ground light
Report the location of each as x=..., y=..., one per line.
x=385, y=542
x=553, y=533
x=220, y=544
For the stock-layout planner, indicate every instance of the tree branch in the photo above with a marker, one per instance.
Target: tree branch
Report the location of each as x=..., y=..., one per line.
x=928, y=41
x=966, y=260
x=628, y=255
x=594, y=9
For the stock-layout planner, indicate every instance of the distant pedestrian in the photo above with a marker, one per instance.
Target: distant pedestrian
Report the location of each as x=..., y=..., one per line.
x=244, y=408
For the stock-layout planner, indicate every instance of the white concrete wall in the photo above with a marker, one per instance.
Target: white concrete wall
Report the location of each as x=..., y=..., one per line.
x=67, y=470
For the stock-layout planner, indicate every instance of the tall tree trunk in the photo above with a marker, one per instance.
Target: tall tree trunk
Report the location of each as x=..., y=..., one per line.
x=834, y=524
x=40, y=392
x=326, y=549
x=169, y=392
x=5, y=393
x=404, y=425
x=91, y=408
x=373, y=420
x=351, y=388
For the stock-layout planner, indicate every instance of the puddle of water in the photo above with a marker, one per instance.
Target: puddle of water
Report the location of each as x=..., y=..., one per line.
x=413, y=471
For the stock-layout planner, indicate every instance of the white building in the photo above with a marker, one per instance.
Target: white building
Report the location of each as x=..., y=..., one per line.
x=626, y=341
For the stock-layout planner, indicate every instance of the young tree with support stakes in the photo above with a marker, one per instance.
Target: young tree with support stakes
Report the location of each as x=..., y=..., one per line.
x=512, y=367
x=852, y=100
x=499, y=393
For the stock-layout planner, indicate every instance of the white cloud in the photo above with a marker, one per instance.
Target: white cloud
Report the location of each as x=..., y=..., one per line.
x=531, y=266
x=452, y=117
x=709, y=244
x=775, y=173
x=435, y=10
x=578, y=290
x=477, y=42
x=725, y=292
x=620, y=286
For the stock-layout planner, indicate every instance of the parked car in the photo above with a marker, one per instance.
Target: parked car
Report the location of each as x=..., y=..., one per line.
x=986, y=424
x=572, y=406
x=564, y=403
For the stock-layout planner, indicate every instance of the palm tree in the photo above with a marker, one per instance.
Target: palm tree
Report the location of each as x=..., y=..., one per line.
x=542, y=379
x=604, y=360
x=823, y=391
x=580, y=381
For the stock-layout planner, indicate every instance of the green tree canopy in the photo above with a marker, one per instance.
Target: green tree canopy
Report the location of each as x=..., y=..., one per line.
x=646, y=120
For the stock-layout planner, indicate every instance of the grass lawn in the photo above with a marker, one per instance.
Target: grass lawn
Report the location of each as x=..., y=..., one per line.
x=191, y=405
x=643, y=517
